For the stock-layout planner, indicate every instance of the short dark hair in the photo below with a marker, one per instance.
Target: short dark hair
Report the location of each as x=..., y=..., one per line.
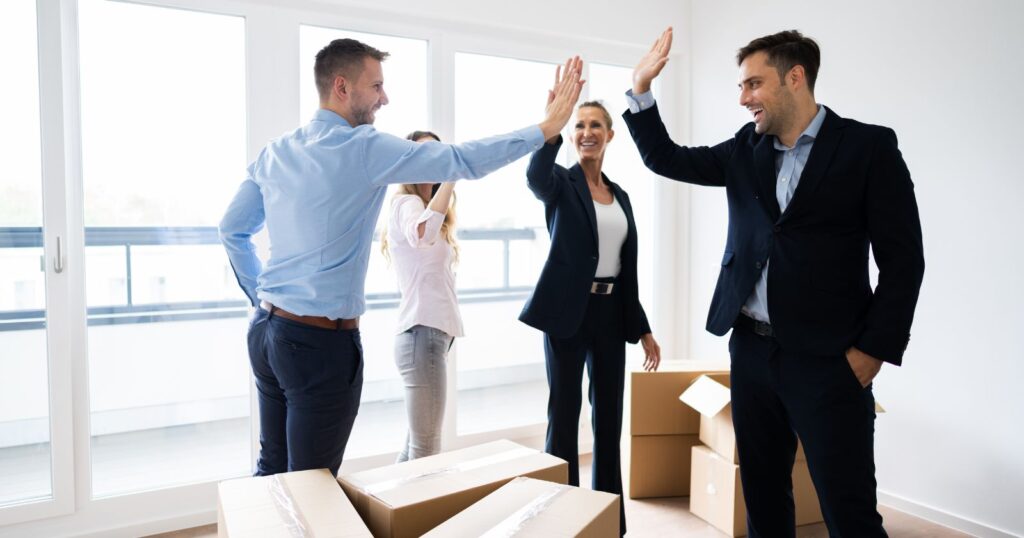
x=604, y=111
x=786, y=50
x=416, y=135
x=342, y=57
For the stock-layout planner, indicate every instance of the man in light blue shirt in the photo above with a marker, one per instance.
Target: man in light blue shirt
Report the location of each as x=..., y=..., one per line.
x=319, y=189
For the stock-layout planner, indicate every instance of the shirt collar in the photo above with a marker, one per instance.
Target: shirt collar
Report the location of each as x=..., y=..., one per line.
x=809, y=134
x=329, y=116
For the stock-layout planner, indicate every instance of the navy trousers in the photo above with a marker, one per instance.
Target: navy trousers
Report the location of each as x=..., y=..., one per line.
x=600, y=344
x=309, y=382
x=779, y=394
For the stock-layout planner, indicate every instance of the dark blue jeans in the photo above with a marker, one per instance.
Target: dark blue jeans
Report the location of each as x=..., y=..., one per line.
x=309, y=382
x=600, y=345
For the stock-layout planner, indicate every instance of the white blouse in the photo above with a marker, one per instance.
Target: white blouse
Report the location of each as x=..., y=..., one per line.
x=612, y=228
x=424, y=267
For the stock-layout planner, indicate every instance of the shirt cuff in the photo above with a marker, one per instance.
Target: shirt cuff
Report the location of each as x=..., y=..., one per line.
x=639, y=103
x=533, y=136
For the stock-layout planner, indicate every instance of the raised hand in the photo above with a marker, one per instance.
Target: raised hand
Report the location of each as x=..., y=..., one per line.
x=562, y=97
x=651, y=64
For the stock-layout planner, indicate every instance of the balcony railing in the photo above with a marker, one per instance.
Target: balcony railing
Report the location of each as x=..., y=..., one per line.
x=130, y=311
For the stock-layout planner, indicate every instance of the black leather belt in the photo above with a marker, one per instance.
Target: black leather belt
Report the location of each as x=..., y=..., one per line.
x=759, y=328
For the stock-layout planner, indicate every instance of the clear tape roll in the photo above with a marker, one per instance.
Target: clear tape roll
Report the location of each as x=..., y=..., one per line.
x=286, y=508
x=507, y=455
x=514, y=523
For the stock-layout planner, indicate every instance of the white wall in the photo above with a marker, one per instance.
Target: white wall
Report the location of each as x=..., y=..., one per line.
x=947, y=76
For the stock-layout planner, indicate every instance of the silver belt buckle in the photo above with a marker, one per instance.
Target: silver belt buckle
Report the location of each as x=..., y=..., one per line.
x=602, y=288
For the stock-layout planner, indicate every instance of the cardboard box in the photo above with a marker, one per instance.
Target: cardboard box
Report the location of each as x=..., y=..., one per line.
x=528, y=507
x=659, y=465
x=303, y=503
x=709, y=395
x=654, y=404
x=408, y=499
x=716, y=494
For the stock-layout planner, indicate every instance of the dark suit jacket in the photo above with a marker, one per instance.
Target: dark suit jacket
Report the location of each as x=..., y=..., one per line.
x=559, y=301
x=855, y=191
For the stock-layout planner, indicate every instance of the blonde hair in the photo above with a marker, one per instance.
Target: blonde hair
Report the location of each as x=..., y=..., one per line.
x=447, y=227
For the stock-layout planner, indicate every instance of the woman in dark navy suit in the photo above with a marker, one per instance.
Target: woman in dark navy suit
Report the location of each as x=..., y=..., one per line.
x=586, y=300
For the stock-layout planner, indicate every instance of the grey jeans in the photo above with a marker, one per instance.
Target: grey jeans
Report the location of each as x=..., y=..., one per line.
x=421, y=354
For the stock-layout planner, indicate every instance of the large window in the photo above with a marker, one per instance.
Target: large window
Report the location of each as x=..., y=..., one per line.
x=163, y=150
x=125, y=385
x=501, y=379
x=25, y=471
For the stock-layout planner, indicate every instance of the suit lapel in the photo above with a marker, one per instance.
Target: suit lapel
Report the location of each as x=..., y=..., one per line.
x=817, y=162
x=764, y=163
x=579, y=182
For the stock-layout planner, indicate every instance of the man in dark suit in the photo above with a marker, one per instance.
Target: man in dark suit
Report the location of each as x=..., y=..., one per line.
x=809, y=192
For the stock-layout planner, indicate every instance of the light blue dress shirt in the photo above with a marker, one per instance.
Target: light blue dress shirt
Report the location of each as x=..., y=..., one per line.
x=319, y=189
x=789, y=165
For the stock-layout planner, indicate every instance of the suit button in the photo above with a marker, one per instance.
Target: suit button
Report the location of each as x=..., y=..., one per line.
x=759, y=265
x=778, y=229
x=593, y=258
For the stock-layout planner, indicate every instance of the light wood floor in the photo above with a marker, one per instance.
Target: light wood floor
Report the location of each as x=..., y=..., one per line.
x=671, y=517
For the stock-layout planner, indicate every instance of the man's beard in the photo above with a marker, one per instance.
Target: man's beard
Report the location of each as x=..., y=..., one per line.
x=363, y=116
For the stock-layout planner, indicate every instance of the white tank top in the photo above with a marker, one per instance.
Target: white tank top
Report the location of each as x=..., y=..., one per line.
x=611, y=234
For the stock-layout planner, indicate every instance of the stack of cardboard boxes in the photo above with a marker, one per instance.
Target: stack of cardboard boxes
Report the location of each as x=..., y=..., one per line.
x=662, y=431
x=715, y=491
x=470, y=492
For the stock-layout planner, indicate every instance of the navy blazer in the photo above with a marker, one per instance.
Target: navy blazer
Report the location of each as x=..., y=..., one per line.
x=855, y=191
x=559, y=301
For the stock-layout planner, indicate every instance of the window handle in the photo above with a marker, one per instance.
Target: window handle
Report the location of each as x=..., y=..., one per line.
x=58, y=260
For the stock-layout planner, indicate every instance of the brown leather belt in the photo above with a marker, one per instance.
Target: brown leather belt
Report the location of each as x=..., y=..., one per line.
x=316, y=321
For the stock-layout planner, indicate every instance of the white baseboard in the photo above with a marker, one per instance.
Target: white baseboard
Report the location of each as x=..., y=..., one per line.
x=941, y=517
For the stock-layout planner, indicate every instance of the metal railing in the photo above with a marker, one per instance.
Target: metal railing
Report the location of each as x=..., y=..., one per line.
x=130, y=312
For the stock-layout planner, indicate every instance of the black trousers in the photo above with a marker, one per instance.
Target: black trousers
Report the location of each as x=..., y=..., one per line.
x=778, y=394
x=309, y=381
x=599, y=344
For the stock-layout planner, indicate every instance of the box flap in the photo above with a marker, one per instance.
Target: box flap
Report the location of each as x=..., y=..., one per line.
x=708, y=395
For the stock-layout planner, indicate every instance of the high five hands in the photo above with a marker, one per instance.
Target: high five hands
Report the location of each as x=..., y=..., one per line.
x=562, y=97
x=652, y=63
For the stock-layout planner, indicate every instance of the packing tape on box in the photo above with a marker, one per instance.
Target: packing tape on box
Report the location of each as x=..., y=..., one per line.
x=513, y=524
x=507, y=455
x=284, y=503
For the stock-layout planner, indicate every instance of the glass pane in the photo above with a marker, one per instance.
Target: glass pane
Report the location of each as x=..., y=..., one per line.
x=381, y=424
x=503, y=247
x=163, y=142
x=24, y=396
x=622, y=164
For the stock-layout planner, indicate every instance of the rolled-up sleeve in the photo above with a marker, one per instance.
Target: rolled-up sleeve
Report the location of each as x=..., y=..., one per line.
x=412, y=213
